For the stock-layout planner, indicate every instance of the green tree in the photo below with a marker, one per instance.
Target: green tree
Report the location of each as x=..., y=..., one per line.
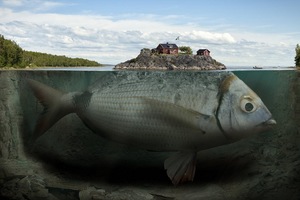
x=297, y=57
x=186, y=50
x=10, y=53
x=44, y=59
x=2, y=57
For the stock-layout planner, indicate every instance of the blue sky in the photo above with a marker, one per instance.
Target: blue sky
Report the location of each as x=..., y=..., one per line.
x=238, y=33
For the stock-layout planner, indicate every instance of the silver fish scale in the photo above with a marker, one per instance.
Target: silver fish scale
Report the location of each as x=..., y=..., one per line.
x=172, y=87
x=139, y=110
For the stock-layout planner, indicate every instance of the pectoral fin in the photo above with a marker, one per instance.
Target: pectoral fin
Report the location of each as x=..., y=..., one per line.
x=178, y=114
x=181, y=167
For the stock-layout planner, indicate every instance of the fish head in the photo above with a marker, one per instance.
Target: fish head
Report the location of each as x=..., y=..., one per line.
x=241, y=112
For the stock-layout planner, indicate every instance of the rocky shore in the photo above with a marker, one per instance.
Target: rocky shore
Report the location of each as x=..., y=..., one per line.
x=148, y=60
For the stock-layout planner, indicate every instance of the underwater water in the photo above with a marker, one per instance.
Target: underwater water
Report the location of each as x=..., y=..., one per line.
x=71, y=162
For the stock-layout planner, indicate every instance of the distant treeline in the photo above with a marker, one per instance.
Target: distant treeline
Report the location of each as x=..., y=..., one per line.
x=44, y=59
x=12, y=55
x=297, y=57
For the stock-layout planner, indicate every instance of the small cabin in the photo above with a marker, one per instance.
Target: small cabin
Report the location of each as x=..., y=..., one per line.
x=167, y=48
x=203, y=52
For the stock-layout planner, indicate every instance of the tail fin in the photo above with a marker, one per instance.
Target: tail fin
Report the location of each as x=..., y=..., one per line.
x=55, y=103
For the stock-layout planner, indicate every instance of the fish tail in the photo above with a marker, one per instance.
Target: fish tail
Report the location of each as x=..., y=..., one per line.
x=56, y=105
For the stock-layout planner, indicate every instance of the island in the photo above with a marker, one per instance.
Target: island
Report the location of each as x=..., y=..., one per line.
x=166, y=57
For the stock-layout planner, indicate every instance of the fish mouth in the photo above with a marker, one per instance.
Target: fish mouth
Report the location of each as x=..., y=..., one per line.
x=269, y=124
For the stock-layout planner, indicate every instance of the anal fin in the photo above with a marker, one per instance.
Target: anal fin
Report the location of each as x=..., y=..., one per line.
x=181, y=167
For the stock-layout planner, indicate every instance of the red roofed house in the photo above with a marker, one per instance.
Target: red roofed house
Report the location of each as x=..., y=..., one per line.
x=167, y=48
x=203, y=52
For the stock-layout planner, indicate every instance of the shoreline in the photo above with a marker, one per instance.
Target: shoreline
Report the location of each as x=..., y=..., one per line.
x=111, y=68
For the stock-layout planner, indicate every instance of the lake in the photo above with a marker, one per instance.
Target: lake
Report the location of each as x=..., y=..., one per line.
x=71, y=162
x=110, y=68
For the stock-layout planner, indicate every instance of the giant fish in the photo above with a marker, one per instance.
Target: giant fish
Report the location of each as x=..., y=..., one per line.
x=176, y=112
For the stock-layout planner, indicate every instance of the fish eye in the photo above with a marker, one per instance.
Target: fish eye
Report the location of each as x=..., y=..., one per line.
x=247, y=105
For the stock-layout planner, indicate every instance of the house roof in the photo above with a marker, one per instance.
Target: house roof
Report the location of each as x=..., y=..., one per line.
x=168, y=46
x=201, y=50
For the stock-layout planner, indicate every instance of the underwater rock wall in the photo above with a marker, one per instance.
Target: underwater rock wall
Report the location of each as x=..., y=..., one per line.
x=11, y=116
x=71, y=162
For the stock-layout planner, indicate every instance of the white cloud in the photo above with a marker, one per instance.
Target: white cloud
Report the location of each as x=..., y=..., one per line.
x=204, y=36
x=109, y=39
x=13, y=2
x=34, y=5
